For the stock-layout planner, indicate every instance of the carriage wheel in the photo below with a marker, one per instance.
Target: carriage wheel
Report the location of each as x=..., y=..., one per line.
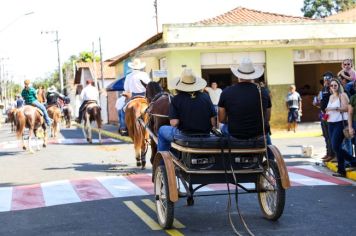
x=271, y=194
x=164, y=206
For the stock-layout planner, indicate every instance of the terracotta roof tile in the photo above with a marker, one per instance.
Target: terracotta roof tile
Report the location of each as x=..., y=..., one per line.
x=346, y=15
x=108, y=71
x=243, y=15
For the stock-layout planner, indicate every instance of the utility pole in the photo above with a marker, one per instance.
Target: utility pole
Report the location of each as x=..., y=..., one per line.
x=59, y=59
x=94, y=66
x=156, y=14
x=101, y=65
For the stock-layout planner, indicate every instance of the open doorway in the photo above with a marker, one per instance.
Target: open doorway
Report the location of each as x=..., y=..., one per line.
x=308, y=81
x=223, y=77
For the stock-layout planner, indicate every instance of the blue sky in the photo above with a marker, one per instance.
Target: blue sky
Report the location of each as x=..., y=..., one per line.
x=121, y=25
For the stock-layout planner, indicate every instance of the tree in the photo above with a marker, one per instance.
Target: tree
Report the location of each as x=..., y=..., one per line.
x=87, y=57
x=324, y=8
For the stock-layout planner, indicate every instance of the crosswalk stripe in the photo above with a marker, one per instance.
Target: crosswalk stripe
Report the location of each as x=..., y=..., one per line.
x=120, y=186
x=5, y=198
x=143, y=181
x=59, y=192
x=298, y=178
x=90, y=189
x=27, y=197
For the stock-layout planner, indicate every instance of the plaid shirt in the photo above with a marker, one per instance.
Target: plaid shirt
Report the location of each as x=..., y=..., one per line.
x=29, y=95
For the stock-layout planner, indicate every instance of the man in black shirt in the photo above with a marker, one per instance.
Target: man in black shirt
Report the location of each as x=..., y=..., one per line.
x=191, y=111
x=53, y=95
x=322, y=102
x=240, y=105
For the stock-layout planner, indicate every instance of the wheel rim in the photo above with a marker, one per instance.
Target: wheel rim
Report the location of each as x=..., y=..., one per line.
x=161, y=197
x=269, y=193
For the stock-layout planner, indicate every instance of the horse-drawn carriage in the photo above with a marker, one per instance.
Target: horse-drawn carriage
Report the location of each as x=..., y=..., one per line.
x=195, y=161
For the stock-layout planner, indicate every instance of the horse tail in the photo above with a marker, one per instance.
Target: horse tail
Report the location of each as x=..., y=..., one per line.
x=20, y=123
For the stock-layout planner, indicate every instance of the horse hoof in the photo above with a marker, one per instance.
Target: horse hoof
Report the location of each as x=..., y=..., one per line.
x=143, y=165
x=44, y=145
x=138, y=163
x=24, y=148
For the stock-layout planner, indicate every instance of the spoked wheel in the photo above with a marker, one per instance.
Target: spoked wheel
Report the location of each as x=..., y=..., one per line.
x=164, y=206
x=271, y=194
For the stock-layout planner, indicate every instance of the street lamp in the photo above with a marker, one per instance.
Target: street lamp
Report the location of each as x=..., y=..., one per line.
x=16, y=19
x=59, y=60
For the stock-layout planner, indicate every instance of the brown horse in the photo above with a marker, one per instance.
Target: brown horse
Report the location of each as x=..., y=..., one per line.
x=67, y=114
x=30, y=117
x=92, y=112
x=158, y=110
x=135, y=109
x=11, y=118
x=55, y=114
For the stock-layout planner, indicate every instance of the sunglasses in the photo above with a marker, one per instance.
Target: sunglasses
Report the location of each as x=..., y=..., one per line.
x=334, y=85
x=347, y=64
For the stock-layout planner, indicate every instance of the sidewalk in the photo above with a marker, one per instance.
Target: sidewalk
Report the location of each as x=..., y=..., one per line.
x=304, y=130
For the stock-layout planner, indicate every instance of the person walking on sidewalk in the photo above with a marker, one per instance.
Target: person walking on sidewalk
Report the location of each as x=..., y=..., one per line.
x=29, y=95
x=322, y=101
x=294, y=106
x=337, y=111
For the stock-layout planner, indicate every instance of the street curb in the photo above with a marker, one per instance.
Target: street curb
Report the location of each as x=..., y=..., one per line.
x=301, y=134
x=349, y=174
x=108, y=133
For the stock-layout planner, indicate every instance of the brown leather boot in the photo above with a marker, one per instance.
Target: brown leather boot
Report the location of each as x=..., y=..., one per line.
x=328, y=159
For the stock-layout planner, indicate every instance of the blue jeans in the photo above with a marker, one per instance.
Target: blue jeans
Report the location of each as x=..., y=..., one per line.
x=138, y=94
x=121, y=114
x=337, y=137
x=165, y=137
x=44, y=111
x=324, y=128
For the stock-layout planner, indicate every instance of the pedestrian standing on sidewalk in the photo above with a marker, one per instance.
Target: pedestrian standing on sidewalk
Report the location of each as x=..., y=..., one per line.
x=214, y=94
x=120, y=103
x=322, y=101
x=352, y=117
x=294, y=106
x=337, y=111
x=348, y=73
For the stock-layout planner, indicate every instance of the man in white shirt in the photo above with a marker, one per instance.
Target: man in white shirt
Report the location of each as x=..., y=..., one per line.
x=89, y=94
x=135, y=80
x=214, y=94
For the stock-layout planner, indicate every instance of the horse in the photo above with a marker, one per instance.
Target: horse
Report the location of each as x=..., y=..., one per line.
x=134, y=110
x=67, y=114
x=30, y=117
x=92, y=112
x=55, y=114
x=11, y=118
x=157, y=110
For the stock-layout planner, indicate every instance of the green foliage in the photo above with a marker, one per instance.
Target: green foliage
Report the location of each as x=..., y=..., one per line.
x=87, y=57
x=49, y=80
x=324, y=8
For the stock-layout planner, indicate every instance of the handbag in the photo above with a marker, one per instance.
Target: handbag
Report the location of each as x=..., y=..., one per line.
x=345, y=130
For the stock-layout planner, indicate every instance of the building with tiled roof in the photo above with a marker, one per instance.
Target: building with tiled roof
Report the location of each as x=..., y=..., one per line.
x=349, y=15
x=94, y=70
x=241, y=15
x=293, y=50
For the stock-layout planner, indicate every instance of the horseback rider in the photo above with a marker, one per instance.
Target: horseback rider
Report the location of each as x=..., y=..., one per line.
x=135, y=80
x=53, y=97
x=89, y=94
x=30, y=97
x=191, y=111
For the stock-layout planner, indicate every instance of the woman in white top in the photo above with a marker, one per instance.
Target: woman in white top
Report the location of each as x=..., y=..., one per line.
x=337, y=115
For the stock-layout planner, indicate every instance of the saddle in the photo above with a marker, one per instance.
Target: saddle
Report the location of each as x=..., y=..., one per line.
x=90, y=105
x=39, y=110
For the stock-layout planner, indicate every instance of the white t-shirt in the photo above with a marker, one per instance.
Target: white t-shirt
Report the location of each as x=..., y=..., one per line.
x=89, y=93
x=120, y=103
x=132, y=82
x=214, y=95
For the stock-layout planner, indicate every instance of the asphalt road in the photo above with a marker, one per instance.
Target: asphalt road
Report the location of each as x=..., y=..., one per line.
x=312, y=208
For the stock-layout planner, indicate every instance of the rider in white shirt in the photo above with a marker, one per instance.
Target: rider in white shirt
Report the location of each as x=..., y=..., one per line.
x=133, y=82
x=89, y=94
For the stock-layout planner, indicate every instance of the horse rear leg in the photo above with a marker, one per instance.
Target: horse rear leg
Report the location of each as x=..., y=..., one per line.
x=30, y=133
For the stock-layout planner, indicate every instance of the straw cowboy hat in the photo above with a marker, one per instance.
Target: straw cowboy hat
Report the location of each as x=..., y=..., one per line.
x=52, y=89
x=137, y=64
x=247, y=71
x=188, y=82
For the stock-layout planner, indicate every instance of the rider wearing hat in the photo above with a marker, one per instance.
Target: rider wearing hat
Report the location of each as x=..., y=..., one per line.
x=240, y=104
x=89, y=94
x=30, y=97
x=53, y=95
x=191, y=111
x=135, y=80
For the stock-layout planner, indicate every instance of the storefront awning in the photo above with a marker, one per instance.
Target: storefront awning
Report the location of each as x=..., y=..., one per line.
x=117, y=85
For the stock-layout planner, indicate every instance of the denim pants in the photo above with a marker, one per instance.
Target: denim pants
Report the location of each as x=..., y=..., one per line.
x=324, y=128
x=44, y=111
x=165, y=137
x=337, y=137
x=121, y=114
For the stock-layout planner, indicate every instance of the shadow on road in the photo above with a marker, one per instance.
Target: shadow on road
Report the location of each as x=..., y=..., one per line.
x=10, y=153
x=106, y=168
